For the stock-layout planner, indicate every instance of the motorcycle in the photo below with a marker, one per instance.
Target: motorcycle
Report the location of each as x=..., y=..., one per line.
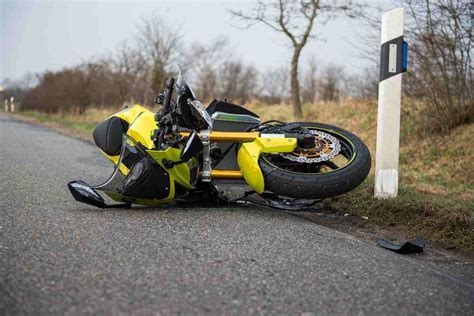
x=186, y=152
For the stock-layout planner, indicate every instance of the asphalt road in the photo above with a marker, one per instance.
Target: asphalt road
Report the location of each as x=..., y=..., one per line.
x=59, y=256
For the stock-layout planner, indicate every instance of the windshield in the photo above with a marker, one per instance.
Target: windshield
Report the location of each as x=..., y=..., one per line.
x=182, y=88
x=192, y=112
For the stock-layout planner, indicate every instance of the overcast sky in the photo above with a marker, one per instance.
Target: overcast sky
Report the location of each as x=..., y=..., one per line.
x=47, y=35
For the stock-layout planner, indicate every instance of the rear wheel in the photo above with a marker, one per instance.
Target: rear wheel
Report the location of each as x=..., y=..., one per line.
x=336, y=162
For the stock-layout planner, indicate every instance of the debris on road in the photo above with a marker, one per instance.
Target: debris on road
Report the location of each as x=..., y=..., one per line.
x=416, y=245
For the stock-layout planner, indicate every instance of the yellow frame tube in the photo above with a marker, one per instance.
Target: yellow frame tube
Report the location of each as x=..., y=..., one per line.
x=226, y=174
x=229, y=136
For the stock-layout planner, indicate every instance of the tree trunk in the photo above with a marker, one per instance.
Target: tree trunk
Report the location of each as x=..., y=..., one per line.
x=82, y=109
x=295, y=85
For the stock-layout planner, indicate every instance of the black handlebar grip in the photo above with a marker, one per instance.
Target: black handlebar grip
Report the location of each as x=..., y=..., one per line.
x=169, y=93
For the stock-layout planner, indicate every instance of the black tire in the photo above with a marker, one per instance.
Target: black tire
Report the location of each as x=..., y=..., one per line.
x=319, y=185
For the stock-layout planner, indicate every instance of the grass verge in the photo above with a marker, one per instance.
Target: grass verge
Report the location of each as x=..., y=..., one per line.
x=446, y=222
x=79, y=126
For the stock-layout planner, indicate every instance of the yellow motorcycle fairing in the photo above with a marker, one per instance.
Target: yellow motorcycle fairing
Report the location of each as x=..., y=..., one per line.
x=249, y=153
x=137, y=130
x=141, y=126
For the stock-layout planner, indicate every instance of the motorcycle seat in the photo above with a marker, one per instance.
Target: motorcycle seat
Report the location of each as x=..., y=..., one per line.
x=108, y=135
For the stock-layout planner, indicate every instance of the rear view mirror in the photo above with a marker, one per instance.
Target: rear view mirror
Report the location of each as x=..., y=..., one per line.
x=82, y=192
x=192, y=147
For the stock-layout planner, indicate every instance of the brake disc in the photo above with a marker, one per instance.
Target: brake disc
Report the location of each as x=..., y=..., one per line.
x=326, y=147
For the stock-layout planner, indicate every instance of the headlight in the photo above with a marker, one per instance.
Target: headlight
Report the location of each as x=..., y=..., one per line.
x=201, y=110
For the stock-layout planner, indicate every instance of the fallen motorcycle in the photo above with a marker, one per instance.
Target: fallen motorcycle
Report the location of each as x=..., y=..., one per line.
x=223, y=152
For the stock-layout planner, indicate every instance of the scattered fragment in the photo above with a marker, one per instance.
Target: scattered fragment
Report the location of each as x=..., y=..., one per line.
x=364, y=217
x=416, y=245
x=347, y=214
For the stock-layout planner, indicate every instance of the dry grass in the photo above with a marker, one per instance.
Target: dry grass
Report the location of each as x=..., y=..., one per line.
x=79, y=126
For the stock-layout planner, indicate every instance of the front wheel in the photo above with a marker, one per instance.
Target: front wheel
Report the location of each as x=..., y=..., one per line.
x=337, y=162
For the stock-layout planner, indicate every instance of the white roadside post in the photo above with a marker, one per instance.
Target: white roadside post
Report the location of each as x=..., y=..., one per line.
x=12, y=104
x=4, y=101
x=393, y=62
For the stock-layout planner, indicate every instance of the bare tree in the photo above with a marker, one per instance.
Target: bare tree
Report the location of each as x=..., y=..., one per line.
x=330, y=83
x=131, y=74
x=363, y=85
x=202, y=64
x=440, y=63
x=215, y=72
x=18, y=88
x=309, y=86
x=135, y=72
x=158, y=47
x=237, y=80
x=296, y=20
x=275, y=85
x=440, y=58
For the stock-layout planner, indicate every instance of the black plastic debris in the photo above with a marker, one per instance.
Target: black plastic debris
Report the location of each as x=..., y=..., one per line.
x=281, y=204
x=416, y=245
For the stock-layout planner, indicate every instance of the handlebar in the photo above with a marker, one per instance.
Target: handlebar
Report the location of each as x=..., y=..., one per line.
x=165, y=100
x=169, y=93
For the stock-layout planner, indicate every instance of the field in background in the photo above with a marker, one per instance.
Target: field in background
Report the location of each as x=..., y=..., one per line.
x=436, y=173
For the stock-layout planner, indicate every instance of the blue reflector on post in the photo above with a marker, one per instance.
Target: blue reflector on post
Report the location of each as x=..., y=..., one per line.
x=404, y=56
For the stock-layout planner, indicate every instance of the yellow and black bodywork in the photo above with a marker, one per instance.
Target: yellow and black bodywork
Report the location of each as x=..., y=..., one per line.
x=128, y=134
x=187, y=151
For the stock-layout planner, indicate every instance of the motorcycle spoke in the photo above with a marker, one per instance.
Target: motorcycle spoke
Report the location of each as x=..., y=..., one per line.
x=346, y=152
x=331, y=164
